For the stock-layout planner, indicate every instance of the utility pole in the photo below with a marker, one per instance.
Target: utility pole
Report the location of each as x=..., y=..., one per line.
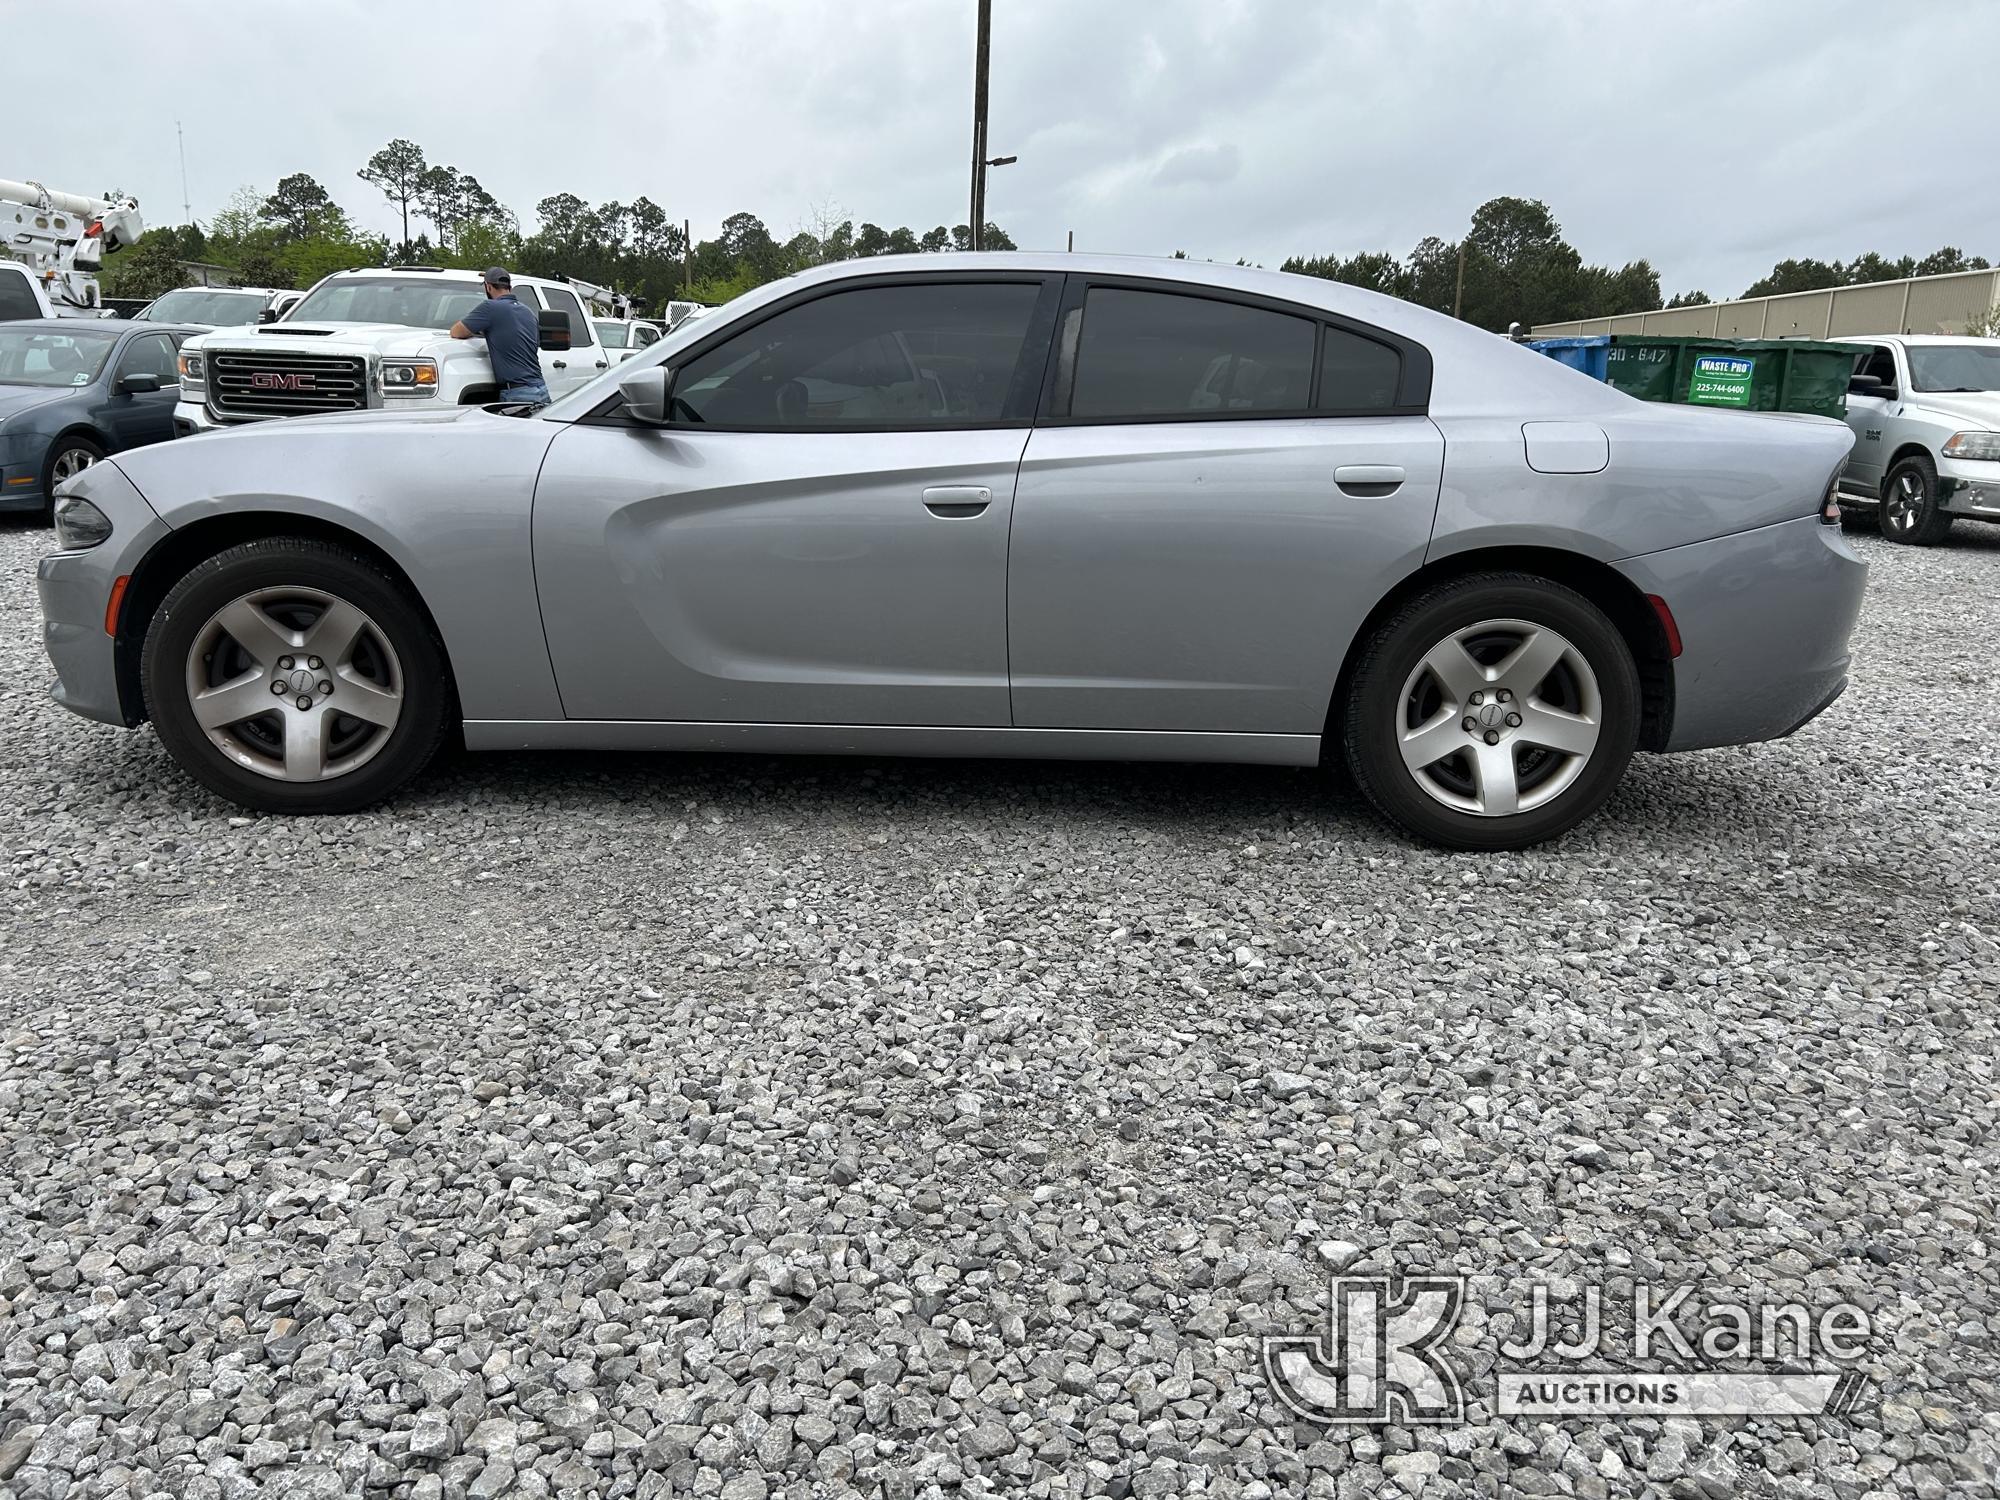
x=187, y=209
x=976, y=225
x=687, y=258
x=1458, y=296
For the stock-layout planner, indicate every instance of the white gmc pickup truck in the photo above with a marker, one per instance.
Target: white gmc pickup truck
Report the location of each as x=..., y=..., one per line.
x=371, y=338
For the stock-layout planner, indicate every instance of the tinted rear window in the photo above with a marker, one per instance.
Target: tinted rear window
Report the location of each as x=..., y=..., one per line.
x=1160, y=354
x=1357, y=374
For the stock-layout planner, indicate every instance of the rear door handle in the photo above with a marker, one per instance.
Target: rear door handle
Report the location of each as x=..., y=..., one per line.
x=954, y=501
x=1368, y=481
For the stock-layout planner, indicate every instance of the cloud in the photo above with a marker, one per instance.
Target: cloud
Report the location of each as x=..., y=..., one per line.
x=1308, y=129
x=1218, y=163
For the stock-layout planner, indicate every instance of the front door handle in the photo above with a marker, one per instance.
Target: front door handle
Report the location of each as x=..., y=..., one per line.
x=1368, y=481
x=560, y=365
x=954, y=501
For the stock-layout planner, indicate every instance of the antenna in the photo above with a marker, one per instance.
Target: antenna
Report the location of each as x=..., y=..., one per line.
x=187, y=209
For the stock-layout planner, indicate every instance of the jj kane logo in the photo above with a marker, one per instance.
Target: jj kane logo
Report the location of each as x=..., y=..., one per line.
x=1384, y=1355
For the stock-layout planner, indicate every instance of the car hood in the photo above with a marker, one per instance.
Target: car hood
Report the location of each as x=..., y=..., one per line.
x=328, y=338
x=16, y=399
x=1972, y=408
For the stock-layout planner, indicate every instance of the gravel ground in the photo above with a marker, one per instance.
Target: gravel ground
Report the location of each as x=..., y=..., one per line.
x=748, y=1127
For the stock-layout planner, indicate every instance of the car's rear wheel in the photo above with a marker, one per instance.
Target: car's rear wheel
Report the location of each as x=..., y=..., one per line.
x=1492, y=712
x=291, y=675
x=1910, y=509
x=68, y=457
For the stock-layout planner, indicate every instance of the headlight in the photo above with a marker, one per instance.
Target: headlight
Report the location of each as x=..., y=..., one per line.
x=79, y=524
x=409, y=377
x=193, y=368
x=1977, y=445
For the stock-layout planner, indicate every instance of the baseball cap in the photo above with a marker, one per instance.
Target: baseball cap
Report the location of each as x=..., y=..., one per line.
x=497, y=276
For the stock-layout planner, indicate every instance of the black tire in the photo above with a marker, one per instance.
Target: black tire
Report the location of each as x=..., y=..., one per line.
x=64, y=447
x=1372, y=718
x=279, y=563
x=1917, y=518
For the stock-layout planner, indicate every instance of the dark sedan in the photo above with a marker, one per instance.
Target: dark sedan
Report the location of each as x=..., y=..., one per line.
x=73, y=390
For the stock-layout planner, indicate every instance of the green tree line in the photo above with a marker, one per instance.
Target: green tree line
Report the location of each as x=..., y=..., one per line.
x=298, y=233
x=1518, y=268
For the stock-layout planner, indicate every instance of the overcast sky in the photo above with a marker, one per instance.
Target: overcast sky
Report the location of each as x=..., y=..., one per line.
x=1712, y=138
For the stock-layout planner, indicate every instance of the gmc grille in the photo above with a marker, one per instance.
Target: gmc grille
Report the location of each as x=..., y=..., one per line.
x=280, y=383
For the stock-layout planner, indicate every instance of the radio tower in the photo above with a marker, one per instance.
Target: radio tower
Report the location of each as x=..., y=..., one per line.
x=187, y=209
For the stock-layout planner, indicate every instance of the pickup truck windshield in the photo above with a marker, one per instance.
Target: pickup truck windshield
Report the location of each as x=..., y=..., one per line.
x=205, y=307
x=38, y=357
x=1955, y=367
x=611, y=335
x=415, y=301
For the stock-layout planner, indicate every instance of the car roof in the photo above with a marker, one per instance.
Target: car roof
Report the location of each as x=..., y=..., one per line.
x=85, y=325
x=444, y=273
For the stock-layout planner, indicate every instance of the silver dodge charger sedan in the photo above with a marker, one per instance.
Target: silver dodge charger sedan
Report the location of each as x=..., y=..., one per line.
x=987, y=505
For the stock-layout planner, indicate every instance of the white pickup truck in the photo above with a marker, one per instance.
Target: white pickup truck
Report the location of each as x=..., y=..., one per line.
x=372, y=338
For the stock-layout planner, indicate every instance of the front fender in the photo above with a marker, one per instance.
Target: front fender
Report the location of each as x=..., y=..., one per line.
x=446, y=495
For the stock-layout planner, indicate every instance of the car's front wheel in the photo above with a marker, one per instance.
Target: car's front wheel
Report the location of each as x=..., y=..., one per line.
x=1492, y=712
x=68, y=457
x=290, y=675
x=1910, y=509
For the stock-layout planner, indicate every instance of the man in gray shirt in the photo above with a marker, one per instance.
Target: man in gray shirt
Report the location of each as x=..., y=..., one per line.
x=513, y=340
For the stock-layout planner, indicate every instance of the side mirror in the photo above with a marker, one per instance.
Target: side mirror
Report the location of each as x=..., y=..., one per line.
x=646, y=393
x=138, y=384
x=554, y=330
x=1867, y=385
x=268, y=315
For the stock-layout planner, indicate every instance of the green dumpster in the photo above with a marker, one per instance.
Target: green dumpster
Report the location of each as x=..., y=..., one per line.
x=1801, y=375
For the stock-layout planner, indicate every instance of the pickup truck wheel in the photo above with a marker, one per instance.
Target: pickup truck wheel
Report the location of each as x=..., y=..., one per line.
x=1492, y=712
x=290, y=675
x=1910, y=509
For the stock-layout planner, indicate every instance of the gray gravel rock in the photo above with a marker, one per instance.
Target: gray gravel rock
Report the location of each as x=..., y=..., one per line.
x=749, y=1128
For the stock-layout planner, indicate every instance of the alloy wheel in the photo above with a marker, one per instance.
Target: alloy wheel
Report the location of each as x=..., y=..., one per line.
x=295, y=684
x=1499, y=718
x=71, y=462
x=1906, y=501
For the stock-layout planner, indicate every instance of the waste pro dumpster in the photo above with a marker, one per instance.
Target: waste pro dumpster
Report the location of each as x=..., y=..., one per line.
x=1802, y=375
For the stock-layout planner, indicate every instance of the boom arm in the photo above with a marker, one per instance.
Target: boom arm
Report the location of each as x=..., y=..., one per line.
x=62, y=237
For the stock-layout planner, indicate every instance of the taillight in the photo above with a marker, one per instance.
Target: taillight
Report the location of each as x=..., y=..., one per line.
x=1829, y=507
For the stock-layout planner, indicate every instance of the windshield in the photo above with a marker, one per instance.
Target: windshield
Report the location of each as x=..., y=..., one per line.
x=1955, y=367
x=414, y=301
x=611, y=335
x=208, y=307
x=37, y=357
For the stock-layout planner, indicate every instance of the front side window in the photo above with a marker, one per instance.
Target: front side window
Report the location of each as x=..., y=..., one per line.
x=566, y=304
x=150, y=355
x=1879, y=364
x=1167, y=355
x=944, y=354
